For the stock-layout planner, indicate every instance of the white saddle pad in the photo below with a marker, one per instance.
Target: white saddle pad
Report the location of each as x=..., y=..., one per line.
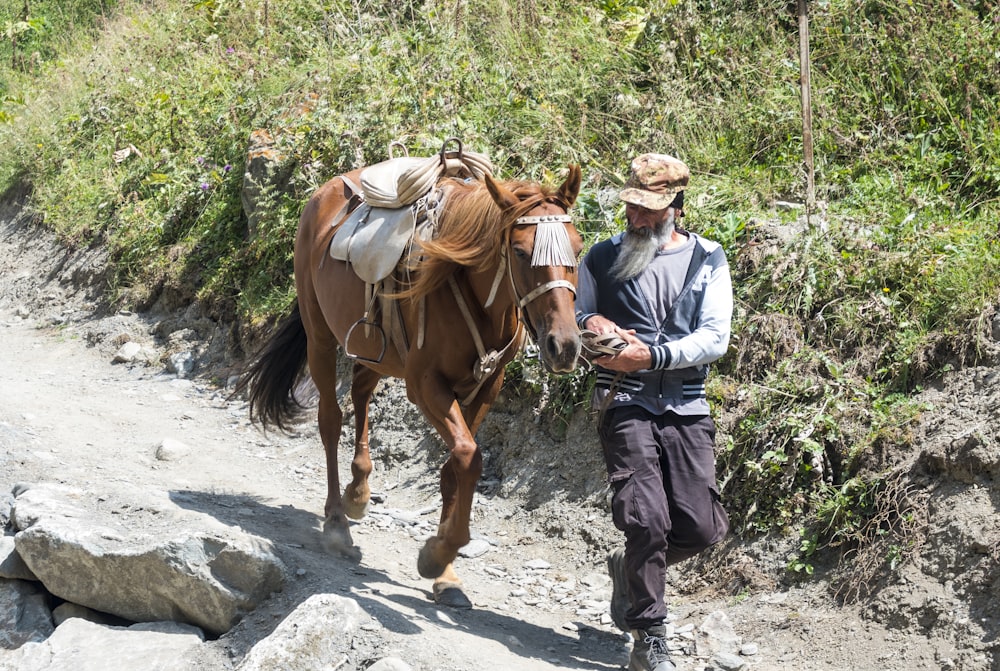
x=373, y=240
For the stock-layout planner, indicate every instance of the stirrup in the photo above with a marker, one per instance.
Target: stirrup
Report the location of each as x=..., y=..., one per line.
x=364, y=321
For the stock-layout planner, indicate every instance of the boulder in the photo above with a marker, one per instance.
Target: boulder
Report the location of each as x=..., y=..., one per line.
x=12, y=566
x=316, y=635
x=24, y=613
x=80, y=645
x=142, y=558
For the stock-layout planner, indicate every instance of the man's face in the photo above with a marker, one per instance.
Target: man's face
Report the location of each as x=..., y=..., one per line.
x=648, y=230
x=645, y=222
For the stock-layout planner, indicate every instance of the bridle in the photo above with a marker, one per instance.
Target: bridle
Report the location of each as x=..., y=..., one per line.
x=489, y=362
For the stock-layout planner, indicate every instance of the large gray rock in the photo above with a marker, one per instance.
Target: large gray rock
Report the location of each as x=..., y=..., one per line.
x=24, y=613
x=270, y=165
x=79, y=645
x=141, y=557
x=316, y=635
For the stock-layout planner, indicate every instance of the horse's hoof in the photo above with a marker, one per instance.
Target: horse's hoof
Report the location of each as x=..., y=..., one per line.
x=427, y=565
x=355, y=511
x=337, y=540
x=452, y=596
x=355, y=500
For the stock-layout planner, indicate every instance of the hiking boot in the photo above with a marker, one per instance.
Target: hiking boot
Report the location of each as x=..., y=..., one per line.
x=649, y=651
x=619, y=588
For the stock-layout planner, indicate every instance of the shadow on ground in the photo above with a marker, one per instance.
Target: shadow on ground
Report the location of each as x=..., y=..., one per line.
x=400, y=608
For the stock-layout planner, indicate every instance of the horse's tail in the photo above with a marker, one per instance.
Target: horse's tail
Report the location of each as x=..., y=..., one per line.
x=271, y=378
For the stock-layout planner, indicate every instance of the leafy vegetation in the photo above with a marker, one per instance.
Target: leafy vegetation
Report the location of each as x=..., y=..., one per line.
x=131, y=120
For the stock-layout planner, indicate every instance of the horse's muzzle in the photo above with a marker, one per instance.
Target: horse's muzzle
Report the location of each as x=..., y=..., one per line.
x=560, y=353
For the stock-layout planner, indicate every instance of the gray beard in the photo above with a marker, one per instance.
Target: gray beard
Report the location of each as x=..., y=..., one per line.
x=638, y=250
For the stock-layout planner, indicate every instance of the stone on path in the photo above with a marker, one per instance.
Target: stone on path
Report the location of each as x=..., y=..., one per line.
x=390, y=664
x=718, y=635
x=79, y=645
x=316, y=635
x=142, y=558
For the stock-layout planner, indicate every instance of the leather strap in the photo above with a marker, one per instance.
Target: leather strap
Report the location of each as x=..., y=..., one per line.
x=544, y=219
x=488, y=362
x=542, y=288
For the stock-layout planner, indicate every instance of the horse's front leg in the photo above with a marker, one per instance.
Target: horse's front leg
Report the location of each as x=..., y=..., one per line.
x=459, y=476
x=358, y=493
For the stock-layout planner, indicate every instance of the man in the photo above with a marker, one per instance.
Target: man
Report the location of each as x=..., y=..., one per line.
x=667, y=292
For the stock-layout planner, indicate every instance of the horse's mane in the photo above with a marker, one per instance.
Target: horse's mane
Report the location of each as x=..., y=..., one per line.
x=470, y=232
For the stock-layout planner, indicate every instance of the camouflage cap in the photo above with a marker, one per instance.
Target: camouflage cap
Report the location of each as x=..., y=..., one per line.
x=655, y=181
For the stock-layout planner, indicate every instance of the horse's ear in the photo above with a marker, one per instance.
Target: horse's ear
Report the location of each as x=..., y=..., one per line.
x=502, y=196
x=571, y=187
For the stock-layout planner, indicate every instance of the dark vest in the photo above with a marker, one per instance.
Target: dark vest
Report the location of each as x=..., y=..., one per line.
x=624, y=304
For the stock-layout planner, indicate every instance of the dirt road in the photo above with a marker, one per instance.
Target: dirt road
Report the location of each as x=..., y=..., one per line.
x=67, y=415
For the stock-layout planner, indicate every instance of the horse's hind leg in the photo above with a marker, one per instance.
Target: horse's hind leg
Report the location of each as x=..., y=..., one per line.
x=323, y=368
x=358, y=493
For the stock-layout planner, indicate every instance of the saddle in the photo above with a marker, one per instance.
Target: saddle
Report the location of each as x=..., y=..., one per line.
x=372, y=240
x=399, y=202
x=396, y=195
x=402, y=181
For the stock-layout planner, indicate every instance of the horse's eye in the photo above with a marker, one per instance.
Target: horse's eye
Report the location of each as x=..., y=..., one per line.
x=522, y=254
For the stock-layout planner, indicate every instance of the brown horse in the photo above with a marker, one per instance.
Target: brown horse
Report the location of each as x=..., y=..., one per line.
x=464, y=299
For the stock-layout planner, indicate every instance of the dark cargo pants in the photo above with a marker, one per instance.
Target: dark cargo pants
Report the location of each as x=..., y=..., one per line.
x=665, y=498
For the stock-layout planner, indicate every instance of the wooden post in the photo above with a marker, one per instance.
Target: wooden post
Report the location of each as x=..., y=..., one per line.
x=267, y=23
x=805, y=86
x=13, y=36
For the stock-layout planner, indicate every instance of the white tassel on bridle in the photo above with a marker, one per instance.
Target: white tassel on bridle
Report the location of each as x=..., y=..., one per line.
x=552, y=248
x=552, y=244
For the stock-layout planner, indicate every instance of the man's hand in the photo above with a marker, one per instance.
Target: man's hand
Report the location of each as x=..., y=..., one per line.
x=634, y=357
x=600, y=325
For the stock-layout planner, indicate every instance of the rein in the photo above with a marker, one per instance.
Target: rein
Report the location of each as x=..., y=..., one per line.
x=489, y=362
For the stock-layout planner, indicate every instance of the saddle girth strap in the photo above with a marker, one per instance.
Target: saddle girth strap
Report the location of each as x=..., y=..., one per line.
x=393, y=317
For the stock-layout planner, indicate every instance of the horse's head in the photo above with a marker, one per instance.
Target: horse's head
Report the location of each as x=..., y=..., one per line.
x=542, y=250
